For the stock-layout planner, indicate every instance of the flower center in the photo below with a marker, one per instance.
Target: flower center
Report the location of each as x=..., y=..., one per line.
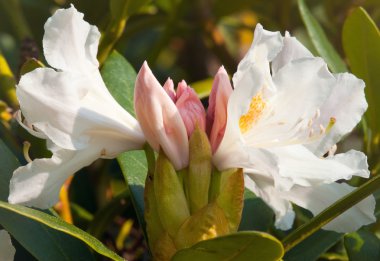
x=256, y=107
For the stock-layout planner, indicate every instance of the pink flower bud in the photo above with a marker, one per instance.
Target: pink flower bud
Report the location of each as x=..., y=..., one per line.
x=169, y=88
x=160, y=119
x=190, y=107
x=217, y=109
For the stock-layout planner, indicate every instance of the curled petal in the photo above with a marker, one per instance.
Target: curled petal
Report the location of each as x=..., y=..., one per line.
x=160, y=119
x=191, y=108
x=217, y=108
x=7, y=250
x=265, y=47
x=346, y=105
x=292, y=50
x=38, y=183
x=264, y=188
x=72, y=115
x=300, y=166
x=316, y=199
x=70, y=43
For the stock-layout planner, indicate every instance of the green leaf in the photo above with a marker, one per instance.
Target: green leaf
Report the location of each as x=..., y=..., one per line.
x=49, y=238
x=119, y=77
x=314, y=246
x=8, y=163
x=362, y=246
x=361, y=43
x=320, y=41
x=203, y=88
x=239, y=246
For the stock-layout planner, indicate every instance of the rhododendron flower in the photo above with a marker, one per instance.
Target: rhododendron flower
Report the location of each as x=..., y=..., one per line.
x=7, y=251
x=286, y=112
x=167, y=117
x=71, y=107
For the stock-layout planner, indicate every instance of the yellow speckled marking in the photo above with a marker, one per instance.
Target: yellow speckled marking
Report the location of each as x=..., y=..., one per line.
x=256, y=107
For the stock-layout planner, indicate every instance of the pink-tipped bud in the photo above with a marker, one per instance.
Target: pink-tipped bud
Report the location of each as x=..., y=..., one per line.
x=169, y=88
x=217, y=109
x=190, y=107
x=160, y=119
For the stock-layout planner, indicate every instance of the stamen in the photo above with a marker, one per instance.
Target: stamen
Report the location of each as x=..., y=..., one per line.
x=25, y=151
x=256, y=107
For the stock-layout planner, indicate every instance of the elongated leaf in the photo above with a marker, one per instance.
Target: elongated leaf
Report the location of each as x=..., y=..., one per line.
x=361, y=43
x=362, y=246
x=8, y=163
x=48, y=237
x=240, y=246
x=119, y=77
x=320, y=41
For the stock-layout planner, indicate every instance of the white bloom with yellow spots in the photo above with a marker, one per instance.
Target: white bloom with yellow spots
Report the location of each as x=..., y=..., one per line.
x=286, y=112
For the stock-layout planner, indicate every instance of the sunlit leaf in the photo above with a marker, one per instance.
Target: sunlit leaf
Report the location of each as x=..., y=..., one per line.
x=240, y=246
x=361, y=42
x=320, y=41
x=49, y=238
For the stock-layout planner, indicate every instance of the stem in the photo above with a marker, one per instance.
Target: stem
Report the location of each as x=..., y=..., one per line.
x=330, y=213
x=65, y=210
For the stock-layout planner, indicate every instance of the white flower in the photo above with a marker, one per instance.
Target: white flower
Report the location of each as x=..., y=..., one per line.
x=286, y=112
x=7, y=251
x=71, y=107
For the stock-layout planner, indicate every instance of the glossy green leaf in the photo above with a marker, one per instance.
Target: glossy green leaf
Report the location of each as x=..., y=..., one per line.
x=119, y=77
x=8, y=163
x=56, y=239
x=362, y=246
x=203, y=88
x=361, y=43
x=320, y=41
x=240, y=246
x=30, y=65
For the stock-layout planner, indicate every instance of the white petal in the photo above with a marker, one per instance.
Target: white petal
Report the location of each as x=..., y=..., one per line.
x=7, y=250
x=302, y=87
x=316, y=199
x=70, y=43
x=38, y=183
x=265, y=47
x=76, y=108
x=346, y=105
x=231, y=150
x=302, y=167
x=291, y=51
x=263, y=187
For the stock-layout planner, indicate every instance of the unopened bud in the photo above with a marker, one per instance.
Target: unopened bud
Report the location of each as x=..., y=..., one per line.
x=190, y=107
x=208, y=222
x=173, y=209
x=200, y=167
x=231, y=196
